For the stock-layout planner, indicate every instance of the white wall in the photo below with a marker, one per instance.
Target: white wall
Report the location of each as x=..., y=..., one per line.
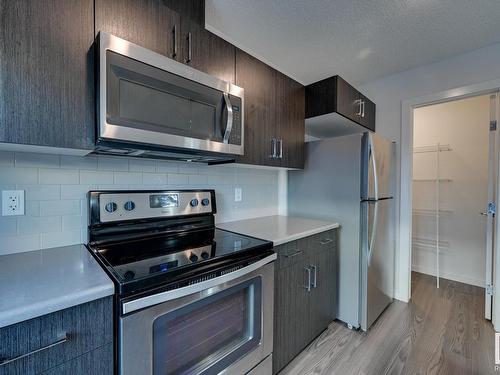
x=388, y=93
x=56, y=187
x=464, y=125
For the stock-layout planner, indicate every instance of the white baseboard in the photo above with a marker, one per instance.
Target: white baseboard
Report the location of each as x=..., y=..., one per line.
x=450, y=276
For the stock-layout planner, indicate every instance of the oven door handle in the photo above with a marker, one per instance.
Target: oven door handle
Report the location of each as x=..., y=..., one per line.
x=141, y=303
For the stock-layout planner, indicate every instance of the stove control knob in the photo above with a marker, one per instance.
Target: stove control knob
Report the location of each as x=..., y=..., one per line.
x=111, y=207
x=194, y=202
x=205, y=202
x=129, y=275
x=205, y=255
x=193, y=258
x=129, y=206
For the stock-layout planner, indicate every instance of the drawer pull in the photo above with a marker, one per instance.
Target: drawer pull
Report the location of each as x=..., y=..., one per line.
x=298, y=252
x=4, y=362
x=315, y=276
x=326, y=241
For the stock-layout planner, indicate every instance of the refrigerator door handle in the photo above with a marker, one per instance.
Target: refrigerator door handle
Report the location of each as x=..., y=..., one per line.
x=373, y=232
x=374, y=166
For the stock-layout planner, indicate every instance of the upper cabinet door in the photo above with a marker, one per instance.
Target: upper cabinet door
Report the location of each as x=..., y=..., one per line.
x=290, y=118
x=148, y=23
x=207, y=52
x=46, y=65
x=348, y=103
x=367, y=113
x=258, y=81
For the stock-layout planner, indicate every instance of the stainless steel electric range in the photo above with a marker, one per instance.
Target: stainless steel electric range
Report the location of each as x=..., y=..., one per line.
x=190, y=298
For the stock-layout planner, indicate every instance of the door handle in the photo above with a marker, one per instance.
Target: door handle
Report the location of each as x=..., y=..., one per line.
x=190, y=50
x=281, y=148
x=5, y=361
x=326, y=241
x=362, y=108
x=372, y=234
x=374, y=166
x=298, y=252
x=273, y=148
x=308, y=287
x=315, y=276
x=174, y=34
x=358, y=103
x=229, y=125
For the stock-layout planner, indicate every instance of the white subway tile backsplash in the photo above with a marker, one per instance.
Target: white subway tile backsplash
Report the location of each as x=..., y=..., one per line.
x=12, y=175
x=59, y=176
x=122, y=178
x=140, y=165
x=6, y=158
x=154, y=179
x=62, y=207
x=65, y=238
x=79, y=162
x=177, y=179
x=33, y=225
x=112, y=163
x=25, y=159
x=96, y=177
x=56, y=192
x=17, y=244
x=40, y=192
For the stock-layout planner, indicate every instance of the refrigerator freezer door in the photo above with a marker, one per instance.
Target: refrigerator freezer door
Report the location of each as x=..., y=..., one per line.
x=377, y=167
x=377, y=259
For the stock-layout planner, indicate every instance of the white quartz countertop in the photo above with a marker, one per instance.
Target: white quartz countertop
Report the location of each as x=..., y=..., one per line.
x=39, y=282
x=279, y=229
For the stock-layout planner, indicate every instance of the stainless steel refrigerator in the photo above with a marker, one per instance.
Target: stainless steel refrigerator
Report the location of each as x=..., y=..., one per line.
x=350, y=180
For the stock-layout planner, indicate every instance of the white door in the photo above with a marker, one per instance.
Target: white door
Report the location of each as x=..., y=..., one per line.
x=490, y=206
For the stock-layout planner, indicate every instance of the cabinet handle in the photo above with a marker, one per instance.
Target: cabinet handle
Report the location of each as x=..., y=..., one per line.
x=358, y=103
x=281, y=148
x=174, y=34
x=298, y=252
x=326, y=241
x=190, y=51
x=273, y=148
x=308, y=287
x=363, y=108
x=6, y=361
x=315, y=276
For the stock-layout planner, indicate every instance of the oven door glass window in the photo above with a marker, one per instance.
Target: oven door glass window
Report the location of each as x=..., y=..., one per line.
x=209, y=335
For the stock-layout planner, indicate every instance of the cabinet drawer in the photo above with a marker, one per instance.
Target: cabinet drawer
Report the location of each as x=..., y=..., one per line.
x=45, y=342
x=322, y=241
x=290, y=253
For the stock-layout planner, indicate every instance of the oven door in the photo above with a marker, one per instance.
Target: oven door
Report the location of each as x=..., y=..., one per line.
x=146, y=98
x=226, y=327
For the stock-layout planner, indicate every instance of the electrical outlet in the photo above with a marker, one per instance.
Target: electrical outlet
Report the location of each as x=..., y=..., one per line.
x=12, y=202
x=237, y=194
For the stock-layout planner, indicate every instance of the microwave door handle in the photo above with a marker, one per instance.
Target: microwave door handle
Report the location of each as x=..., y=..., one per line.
x=229, y=125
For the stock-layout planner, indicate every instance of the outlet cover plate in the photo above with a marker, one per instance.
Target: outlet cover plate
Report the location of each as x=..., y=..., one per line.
x=12, y=202
x=237, y=194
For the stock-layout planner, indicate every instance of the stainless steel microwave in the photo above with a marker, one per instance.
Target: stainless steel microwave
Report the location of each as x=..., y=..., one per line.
x=154, y=107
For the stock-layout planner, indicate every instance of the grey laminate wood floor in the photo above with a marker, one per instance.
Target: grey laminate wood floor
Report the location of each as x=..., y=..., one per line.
x=441, y=331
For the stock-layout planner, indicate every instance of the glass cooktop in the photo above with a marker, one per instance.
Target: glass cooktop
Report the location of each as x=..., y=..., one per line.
x=160, y=256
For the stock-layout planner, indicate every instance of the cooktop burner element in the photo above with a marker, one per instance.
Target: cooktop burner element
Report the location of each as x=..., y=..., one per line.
x=147, y=240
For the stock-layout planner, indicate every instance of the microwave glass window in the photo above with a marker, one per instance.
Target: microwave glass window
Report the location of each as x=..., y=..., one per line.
x=209, y=335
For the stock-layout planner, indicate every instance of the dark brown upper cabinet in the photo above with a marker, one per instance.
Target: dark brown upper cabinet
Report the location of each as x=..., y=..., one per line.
x=47, y=85
x=335, y=108
x=274, y=114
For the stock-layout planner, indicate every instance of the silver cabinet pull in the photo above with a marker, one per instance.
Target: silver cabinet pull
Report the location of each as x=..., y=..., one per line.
x=358, y=103
x=6, y=361
x=273, y=148
x=229, y=126
x=281, y=148
x=190, y=50
x=174, y=34
x=308, y=287
x=326, y=241
x=362, y=108
x=298, y=252
x=315, y=276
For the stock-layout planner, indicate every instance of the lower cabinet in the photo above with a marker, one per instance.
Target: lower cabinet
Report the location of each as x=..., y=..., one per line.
x=305, y=294
x=76, y=341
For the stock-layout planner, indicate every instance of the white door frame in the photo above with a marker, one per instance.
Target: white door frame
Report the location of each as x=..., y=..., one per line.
x=406, y=173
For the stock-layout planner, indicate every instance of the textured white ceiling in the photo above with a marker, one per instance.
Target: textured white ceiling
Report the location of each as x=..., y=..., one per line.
x=359, y=39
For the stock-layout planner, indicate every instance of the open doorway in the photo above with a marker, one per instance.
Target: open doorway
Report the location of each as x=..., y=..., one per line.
x=451, y=187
